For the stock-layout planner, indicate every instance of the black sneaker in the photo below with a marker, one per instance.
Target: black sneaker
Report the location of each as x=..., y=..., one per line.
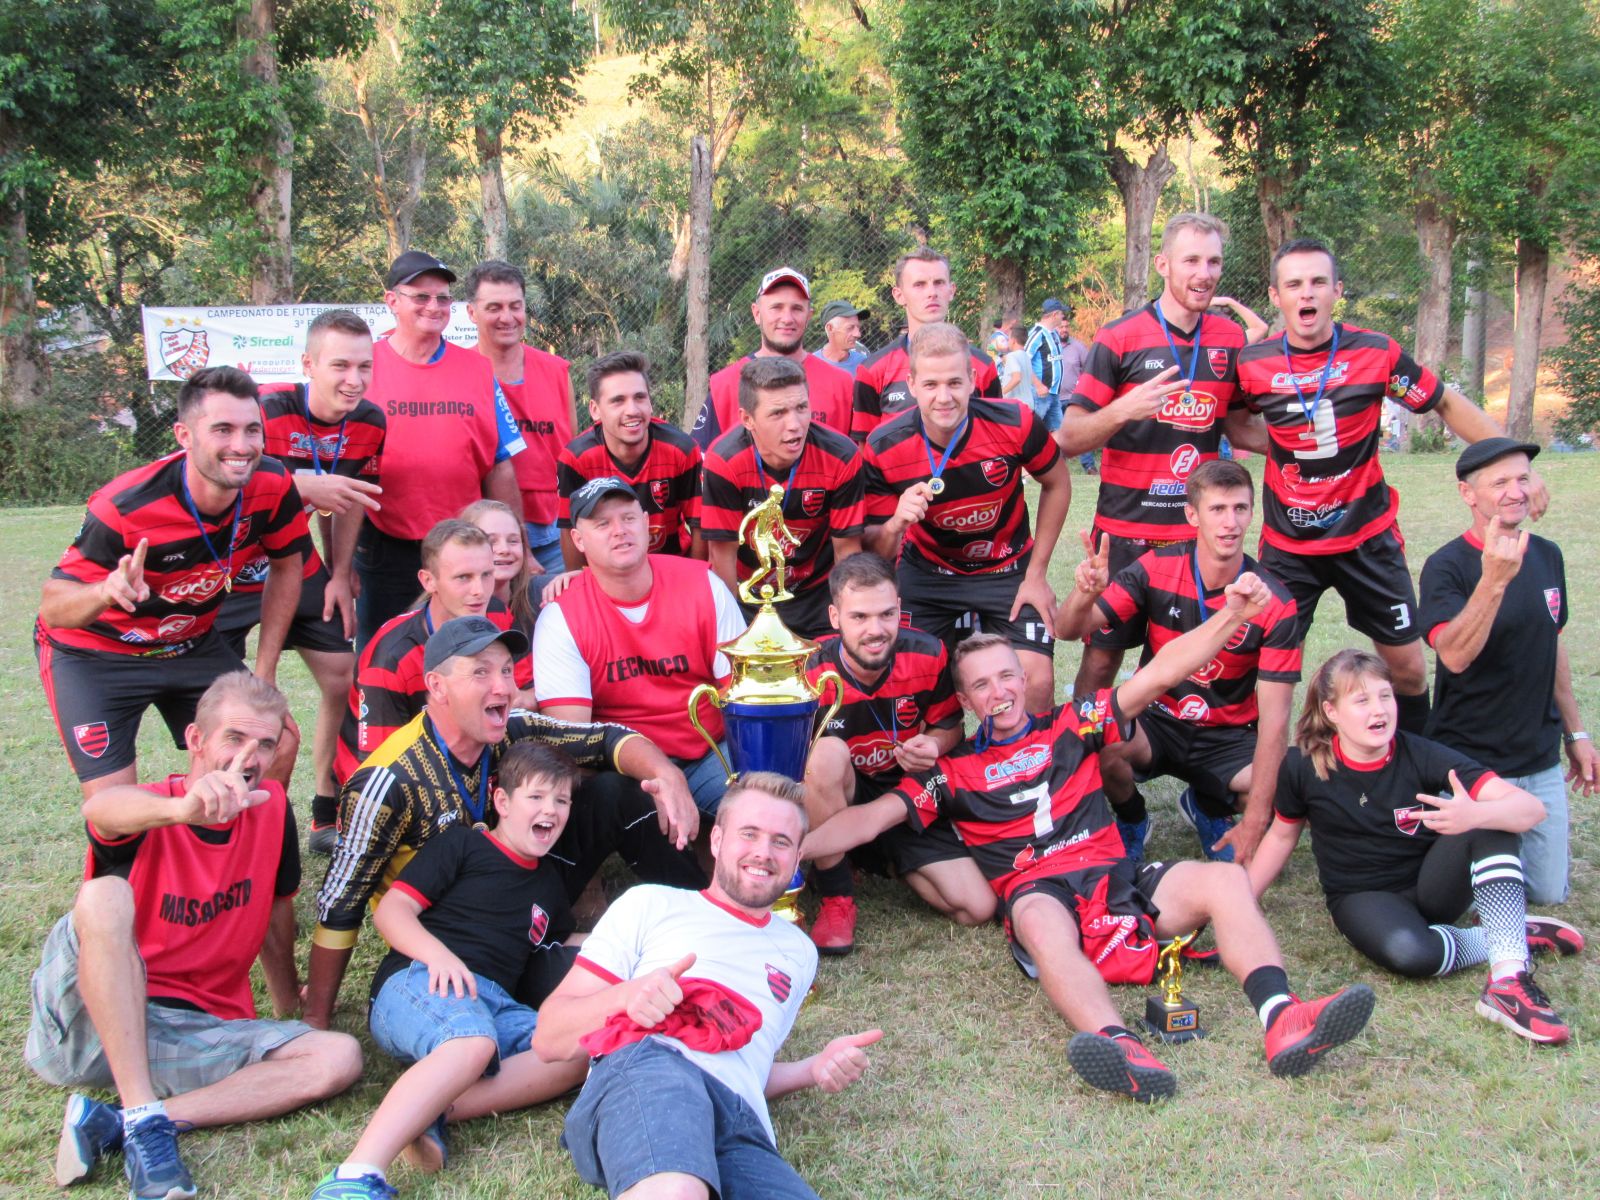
x=1547, y=935
x=89, y=1131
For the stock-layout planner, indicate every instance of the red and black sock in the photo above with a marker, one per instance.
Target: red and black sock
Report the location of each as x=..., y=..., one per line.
x=1268, y=989
x=837, y=880
x=324, y=810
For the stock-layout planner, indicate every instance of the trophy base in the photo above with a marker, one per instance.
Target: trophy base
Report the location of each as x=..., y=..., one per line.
x=1172, y=1023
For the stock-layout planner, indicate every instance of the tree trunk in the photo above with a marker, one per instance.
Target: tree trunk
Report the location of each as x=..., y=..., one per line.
x=1472, y=325
x=21, y=371
x=272, y=281
x=1533, y=277
x=1436, y=239
x=696, y=347
x=492, y=183
x=1140, y=188
x=1006, y=289
x=1277, y=216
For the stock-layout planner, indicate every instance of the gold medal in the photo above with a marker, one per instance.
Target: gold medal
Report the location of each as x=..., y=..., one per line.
x=480, y=826
x=936, y=486
x=227, y=583
x=1188, y=398
x=322, y=512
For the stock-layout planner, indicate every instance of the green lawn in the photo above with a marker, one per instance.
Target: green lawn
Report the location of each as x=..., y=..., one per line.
x=970, y=1094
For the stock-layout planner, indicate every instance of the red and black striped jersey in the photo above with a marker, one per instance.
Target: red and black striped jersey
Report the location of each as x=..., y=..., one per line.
x=352, y=448
x=882, y=390
x=1162, y=588
x=914, y=694
x=389, y=689
x=667, y=480
x=1325, y=491
x=187, y=582
x=823, y=500
x=541, y=402
x=828, y=388
x=1145, y=464
x=979, y=524
x=1033, y=806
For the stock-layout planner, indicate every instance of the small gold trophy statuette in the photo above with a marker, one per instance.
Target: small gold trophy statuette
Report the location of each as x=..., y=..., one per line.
x=1168, y=1015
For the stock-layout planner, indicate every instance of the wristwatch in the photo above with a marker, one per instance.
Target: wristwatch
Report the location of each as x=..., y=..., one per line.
x=1579, y=736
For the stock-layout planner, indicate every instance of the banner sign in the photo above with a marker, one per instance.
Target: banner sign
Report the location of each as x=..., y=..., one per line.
x=264, y=340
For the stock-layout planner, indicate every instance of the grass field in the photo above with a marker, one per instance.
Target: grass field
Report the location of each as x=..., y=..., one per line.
x=970, y=1094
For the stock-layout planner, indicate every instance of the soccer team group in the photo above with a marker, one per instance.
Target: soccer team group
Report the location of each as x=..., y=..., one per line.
x=489, y=744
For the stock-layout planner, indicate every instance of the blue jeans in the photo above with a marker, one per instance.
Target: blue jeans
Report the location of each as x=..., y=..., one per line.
x=1048, y=410
x=707, y=780
x=646, y=1110
x=1544, y=847
x=544, y=543
x=408, y=1022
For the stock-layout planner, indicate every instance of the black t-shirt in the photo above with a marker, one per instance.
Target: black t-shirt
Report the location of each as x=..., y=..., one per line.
x=1502, y=709
x=492, y=908
x=1366, y=829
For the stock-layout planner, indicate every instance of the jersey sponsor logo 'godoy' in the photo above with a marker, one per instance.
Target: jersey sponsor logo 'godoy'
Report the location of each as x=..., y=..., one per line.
x=1189, y=410
x=194, y=589
x=976, y=514
x=871, y=755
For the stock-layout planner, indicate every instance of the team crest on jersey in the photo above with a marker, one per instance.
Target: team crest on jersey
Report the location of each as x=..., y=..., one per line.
x=241, y=535
x=1219, y=362
x=660, y=491
x=779, y=983
x=1184, y=460
x=995, y=470
x=184, y=351
x=811, y=500
x=1552, y=601
x=92, y=738
x=1409, y=820
x=906, y=712
x=1240, y=636
x=538, y=925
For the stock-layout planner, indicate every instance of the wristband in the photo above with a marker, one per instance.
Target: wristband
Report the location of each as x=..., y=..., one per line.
x=1579, y=736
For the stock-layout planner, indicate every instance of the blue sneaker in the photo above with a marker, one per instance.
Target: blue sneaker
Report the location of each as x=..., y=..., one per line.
x=150, y=1159
x=89, y=1131
x=1209, y=829
x=431, y=1149
x=368, y=1187
x=1133, y=836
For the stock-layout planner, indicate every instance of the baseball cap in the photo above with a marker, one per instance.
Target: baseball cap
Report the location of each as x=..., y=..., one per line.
x=784, y=275
x=1481, y=454
x=587, y=498
x=413, y=263
x=1053, y=305
x=842, y=308
x=469, y=635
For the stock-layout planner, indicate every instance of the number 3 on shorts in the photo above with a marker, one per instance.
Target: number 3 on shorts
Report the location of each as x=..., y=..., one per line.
x=1402, y=616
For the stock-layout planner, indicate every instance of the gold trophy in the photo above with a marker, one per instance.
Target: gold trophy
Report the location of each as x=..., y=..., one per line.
x=1168, y=1015
x=767, y=710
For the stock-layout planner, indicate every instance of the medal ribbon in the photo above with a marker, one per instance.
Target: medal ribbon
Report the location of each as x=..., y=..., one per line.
x=194, y=511
x=338, y=446
x=762, y=468
x=1310, y=411
x=1200, y=584
x=1194, y=363
x=937, y=470
x=475, y=811
x=985, y=737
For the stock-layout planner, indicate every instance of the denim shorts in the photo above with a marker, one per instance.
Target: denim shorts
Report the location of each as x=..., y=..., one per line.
x=647, y=1109
x=409, y=1023
x=706, y=778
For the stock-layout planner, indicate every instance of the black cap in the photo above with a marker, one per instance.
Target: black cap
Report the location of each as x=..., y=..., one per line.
x=469, y=635
x=842, y=308
x=1481, y=454
x=587, y=498
x=413, y=263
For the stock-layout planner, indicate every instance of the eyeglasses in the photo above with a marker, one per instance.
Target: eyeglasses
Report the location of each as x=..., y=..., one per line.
x=423, y=299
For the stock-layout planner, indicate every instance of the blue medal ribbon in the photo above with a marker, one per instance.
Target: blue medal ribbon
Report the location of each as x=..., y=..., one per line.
x=1310, y=411
x=194, y=511
x=985, y=736
x=311, y=431
x=762, y=468
x=1200, y=584
x=475, y=811
x=1177, y=359
x=936, y=484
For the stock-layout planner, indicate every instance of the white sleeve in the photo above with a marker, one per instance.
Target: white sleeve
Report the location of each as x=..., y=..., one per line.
x=617, y=942
x=730, y=620
x=560, y=676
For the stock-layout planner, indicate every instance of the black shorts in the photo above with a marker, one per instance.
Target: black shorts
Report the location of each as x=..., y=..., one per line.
x=901, y=850
x=241, y=612
x=1206, y=757
x=805, y=614
x=1122, y=552
x=1380, y=600
x=952, y=607
x=98, y=700
x=1132, y=891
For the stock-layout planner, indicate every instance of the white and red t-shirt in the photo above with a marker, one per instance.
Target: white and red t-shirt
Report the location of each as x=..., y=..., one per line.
x=636, y=664
x=767, y=963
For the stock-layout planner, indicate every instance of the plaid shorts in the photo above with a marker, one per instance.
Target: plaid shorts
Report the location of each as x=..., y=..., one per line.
x=188, y=1049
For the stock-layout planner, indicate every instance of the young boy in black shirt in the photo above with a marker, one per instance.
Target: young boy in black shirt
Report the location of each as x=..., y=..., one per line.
x=464, y=919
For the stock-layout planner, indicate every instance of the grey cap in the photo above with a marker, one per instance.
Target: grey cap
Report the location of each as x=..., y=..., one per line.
x=1480, y=454
x=469, y=635
x=842, y=308
x=587, y=498
x=413, y=263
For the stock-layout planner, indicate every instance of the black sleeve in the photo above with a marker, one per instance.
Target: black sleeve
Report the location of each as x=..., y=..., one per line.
x=1434, y=763
x=288, y=882
x=434, y=869
x=112, y=858
x=1290, y=801
x=1445, y=590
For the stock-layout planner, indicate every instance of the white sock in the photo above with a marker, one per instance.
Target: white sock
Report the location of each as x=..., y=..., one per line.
x=1271, y=1006
x=355, y=1170
x=1506, y=969
x=132, y=1116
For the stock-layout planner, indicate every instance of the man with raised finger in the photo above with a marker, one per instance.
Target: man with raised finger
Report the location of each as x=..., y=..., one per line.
x=1494, y=605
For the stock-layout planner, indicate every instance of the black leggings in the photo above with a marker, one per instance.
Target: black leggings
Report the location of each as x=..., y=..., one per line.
x=1392, y=928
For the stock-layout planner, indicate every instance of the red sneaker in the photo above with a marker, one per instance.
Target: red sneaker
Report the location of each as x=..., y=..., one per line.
x=1306, y=1029
x=834, y=930
x=1518, y=1003
x=1121, y=1065
x=1546, y=935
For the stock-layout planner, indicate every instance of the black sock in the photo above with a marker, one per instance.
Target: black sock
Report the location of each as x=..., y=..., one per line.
x=1131, y=811
x=324, y=809
x=1263, y=985
x=1413, y=712
x=836, y=880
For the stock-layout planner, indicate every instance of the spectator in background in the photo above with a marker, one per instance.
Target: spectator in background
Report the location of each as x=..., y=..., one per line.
x=1016, y=372
x=537, y=385
x=1044, y=354
x=1074, y=356
x=842, y=322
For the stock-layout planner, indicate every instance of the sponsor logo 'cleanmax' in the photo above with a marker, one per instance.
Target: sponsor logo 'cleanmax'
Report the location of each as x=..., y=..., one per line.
x=1026, y=761
x=1286, y=381
x=975, y=514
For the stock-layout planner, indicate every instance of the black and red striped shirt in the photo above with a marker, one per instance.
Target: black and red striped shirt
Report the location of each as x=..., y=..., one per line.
x=829, y=390
x=1162, y=588
x=667, y=480
x=390, y=689
x=823, y=499
x=979, y=524
x=1325, y=491
x=1145, y=464
x=186, y=581
x=913, y=695
x=1033, y=807
x=352, y=448
x=882, y=389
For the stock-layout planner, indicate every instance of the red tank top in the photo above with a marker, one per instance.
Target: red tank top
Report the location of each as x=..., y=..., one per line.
x=542, y=403
x=641, y=674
